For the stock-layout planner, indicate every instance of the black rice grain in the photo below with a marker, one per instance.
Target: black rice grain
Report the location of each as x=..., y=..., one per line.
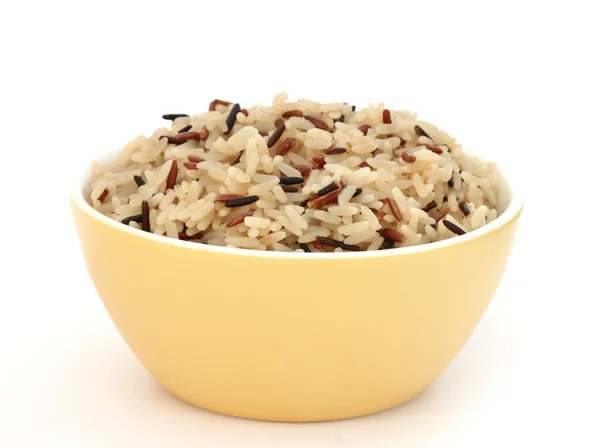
x=145, y=216
x=327, y=189
x=430, y=206
x=134, y=218
x=334, y=243
x=289, y=188
x=138, y=180
x=357, y=192
x=185, y=129
x=239, y=157
x=230, y=121
x=388, y=243
x=453, y=227
x=451, y=182
x=241, y=201
x=420, y=132
x=304, y=247
x=173, y=116
x=336, y=150
x=464, y=208
x=290, y=180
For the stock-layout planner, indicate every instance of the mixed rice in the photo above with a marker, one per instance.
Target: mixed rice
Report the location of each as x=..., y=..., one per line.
x=298, y=176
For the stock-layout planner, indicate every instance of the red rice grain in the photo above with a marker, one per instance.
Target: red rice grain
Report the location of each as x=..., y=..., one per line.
x=239, y=219
x=394, y=209
x=317, y=122
x=172, y=177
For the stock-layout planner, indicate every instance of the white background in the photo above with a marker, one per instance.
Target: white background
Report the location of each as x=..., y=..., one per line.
x=515, y=81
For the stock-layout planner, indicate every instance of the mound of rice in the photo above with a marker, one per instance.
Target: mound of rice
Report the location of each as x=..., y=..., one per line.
x=298, y=176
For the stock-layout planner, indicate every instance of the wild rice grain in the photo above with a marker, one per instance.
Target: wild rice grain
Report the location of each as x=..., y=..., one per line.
x=214, y=103
x=239, y=219
x=333, y=151
x=145, y=216
x=304, y=247
x=408, y=157
x=393, y=234
x=292, y=113
x=388, y=243
x=435, y=149
x=386, y=118
x=430, y=206
x=327, y=189
x=379, y=213
x=172, y=117
x=394, y=209
x=276, y=135
x=440, y=213
x=228, y=197
x=284, y=148
x=420, y=132
x=103, y=195
x=240, y=161
x=134, y=218
x=364, y=129
x=203, y=134
x=185, y=237
x=291, y=180
x=317, y=122
x=241, y=201
x=238, y=158
x=230, y=121
x=453, y=227
x=464, y=208
x=304, y=169
x=178, y=139
x=320, y=201
x=172, y=177
x=334, y=243
x=319, y=162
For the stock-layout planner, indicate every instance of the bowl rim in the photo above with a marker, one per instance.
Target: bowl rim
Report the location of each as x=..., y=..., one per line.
x=515, y=206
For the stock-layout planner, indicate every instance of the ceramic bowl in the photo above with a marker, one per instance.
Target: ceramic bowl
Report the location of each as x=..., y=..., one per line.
x=291, y=336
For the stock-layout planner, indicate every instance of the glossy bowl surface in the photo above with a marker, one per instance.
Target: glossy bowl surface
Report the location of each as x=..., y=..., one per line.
x=291, y=336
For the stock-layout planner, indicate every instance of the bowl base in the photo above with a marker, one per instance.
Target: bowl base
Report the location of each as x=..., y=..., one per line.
x=305, y=417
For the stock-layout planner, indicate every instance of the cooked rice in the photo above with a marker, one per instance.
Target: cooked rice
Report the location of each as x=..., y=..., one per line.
x=372, y=178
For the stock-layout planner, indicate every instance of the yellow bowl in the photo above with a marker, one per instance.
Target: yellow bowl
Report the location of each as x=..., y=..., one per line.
x=291, y=336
